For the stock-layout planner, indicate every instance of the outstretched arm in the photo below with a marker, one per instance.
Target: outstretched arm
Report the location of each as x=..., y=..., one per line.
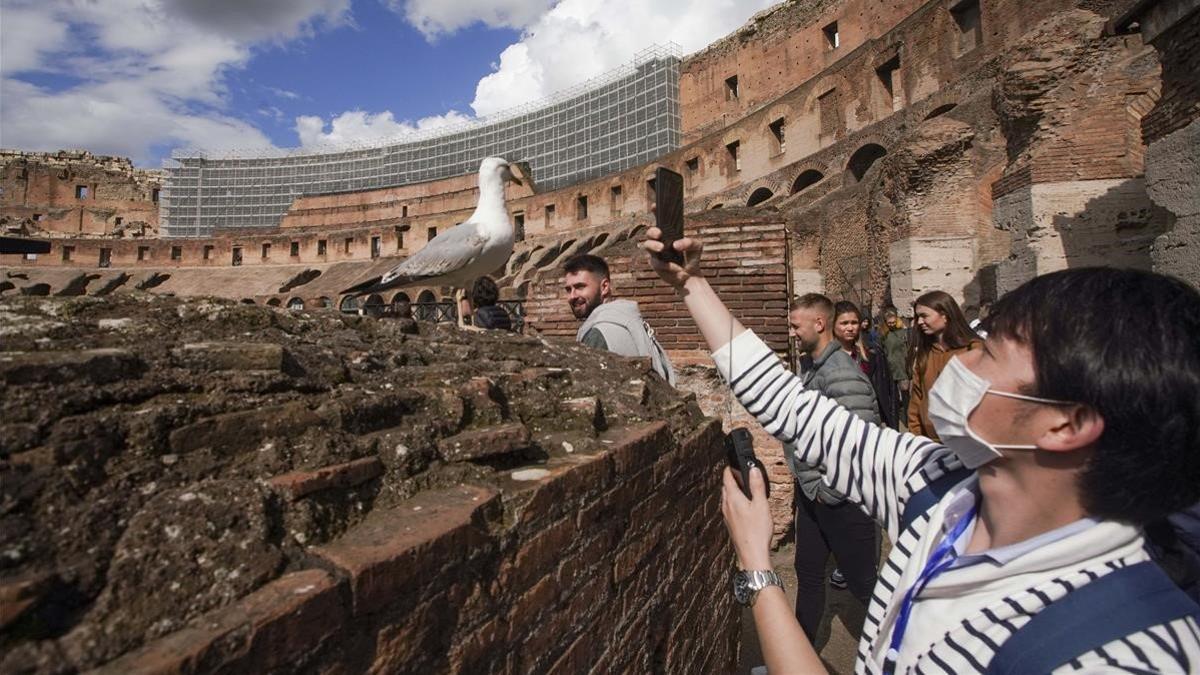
x=716, y=324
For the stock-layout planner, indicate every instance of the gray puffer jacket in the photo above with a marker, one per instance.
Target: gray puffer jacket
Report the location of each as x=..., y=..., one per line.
x=836, y=375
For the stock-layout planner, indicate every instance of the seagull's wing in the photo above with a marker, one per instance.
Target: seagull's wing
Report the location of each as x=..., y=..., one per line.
x=449, y=252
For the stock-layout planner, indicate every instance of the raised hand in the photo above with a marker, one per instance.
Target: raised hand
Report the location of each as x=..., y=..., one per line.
x=672, y=273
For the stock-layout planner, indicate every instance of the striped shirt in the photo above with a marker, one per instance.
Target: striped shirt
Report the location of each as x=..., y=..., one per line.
x=965, y=614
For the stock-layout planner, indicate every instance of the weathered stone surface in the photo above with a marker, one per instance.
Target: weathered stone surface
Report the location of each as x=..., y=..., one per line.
x=273, y=628
x=237, y=431
x=231, y=355
x=298, y=484
x=95, y=366
x=380, y=555
x=495, y=441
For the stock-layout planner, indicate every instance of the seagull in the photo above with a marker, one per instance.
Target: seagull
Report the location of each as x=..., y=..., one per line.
x=477, y=246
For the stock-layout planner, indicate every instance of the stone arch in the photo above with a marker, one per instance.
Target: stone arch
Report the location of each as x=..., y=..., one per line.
x=373, y=305
x=806, y=179
x=274, y=302
x=324, y=302
x=862, y=160
x=349, y=304
x=295, y=303
x=248, y=301
x=400, y=297
x=426, y=311
x=715, y=206
x=759, y=196
x=941, y=110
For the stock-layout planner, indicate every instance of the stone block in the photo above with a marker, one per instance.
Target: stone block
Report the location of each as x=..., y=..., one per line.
x=94, y=366
x=271, y=629
x=495, y=441
x=393, y=553
x=216, y=356
x=243, y=430
x=585, y=413
x=298, y=484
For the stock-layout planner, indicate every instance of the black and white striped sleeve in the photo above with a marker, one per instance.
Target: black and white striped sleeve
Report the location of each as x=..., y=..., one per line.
x=875, y=467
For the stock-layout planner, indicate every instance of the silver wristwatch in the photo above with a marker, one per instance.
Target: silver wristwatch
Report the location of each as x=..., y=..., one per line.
x=747, y=584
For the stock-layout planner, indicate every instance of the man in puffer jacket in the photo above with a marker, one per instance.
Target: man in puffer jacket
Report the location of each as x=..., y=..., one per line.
x=825, y=522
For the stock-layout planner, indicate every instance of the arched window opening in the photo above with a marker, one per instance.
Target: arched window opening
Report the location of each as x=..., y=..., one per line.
x=295, y=303
x=349, y=305
x=941, y=110
x=759, y=196
x=806, y=180
x=273, y=302
x=426, y=306
x=862, y=160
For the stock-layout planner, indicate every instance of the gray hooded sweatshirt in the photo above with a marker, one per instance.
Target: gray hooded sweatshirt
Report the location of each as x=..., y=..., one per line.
x=627, y=334
x=836, y=375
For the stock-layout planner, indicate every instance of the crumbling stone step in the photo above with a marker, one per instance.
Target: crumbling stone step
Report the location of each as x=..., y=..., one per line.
x=387, y=556
x=97, y=366
x=272, y=628
x=492, y=442
x=298, y=484
x=230, y=356
x=243, y=430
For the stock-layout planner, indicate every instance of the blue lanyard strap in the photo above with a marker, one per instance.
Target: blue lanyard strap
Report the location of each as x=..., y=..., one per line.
x=943, y=557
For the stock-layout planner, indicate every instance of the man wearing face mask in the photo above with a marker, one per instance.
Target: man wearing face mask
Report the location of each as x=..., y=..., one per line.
x=1061, y=438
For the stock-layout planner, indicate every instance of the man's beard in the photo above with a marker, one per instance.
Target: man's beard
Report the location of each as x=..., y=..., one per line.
x=582, y=309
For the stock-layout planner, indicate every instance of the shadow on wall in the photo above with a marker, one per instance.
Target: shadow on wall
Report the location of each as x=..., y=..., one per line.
x=1115, y=229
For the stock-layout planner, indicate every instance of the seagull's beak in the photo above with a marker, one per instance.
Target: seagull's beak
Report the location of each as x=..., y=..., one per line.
x=514, y=174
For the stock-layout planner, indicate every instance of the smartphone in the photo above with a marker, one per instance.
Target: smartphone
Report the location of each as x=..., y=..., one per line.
x=740, y=455
x=668, y=211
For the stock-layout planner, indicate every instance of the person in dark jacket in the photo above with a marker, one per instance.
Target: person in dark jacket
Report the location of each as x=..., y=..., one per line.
x=868, y=354
x=488, y=314
x=825, y=521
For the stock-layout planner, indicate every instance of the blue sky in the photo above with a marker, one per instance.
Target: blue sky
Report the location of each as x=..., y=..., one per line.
x=138, y=78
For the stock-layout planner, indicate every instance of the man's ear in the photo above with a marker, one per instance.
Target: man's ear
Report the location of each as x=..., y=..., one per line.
x=819, y=323
x=605, y=288
x=1071, y=427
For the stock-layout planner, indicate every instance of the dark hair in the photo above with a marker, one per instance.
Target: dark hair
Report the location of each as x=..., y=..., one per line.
x=846, y=307
x=484, y=292
x=956, y=335
x=1122, y=342
x=814, y=301
x=586, y=262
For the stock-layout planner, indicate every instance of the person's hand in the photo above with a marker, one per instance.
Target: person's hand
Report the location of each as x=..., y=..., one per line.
x=674, y=274
x=748, y=520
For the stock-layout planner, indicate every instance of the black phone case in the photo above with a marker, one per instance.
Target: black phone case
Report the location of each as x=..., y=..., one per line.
x=741, y=458
x=668, y=211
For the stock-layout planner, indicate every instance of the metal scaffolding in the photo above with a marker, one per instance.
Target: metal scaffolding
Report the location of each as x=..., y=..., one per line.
x=621, y=119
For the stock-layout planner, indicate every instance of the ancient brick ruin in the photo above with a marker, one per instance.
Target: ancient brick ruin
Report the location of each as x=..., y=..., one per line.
x=209, y=486
x=868, y=149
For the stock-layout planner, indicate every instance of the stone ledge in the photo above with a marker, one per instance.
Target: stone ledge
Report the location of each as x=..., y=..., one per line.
x=298, y=484
x=384, y=555
x=271, y=628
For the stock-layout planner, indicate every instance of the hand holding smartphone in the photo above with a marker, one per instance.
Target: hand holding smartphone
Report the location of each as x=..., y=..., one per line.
x=740, y=455
x=668, y=212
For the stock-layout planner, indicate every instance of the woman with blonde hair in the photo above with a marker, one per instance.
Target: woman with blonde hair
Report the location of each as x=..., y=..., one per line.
x=941, y=332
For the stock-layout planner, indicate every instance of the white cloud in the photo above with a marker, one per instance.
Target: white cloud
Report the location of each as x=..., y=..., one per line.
x=356, y=126
x=438, y=17
x=580, y=39
x=151, y=71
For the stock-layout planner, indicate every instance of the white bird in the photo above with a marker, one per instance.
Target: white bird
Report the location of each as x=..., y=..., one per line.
x=477, y=246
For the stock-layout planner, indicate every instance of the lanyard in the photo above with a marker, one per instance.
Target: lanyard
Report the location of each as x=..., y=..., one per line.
x=943, y=556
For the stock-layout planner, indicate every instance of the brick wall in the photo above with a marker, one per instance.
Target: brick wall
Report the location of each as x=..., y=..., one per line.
x=1180, y=101
x=745, y=260
x=614, y=562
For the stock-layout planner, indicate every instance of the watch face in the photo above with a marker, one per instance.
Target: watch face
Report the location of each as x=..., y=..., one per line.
x=741, y=587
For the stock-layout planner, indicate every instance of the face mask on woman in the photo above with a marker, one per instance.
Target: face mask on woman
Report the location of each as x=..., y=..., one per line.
x=955, y=394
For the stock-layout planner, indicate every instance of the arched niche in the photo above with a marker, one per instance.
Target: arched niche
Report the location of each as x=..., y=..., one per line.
x=806, y=180
x=862, y=160
x=759, y=196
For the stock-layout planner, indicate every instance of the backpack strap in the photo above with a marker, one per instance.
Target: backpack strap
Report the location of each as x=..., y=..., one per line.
x=927, y=497
x=1117, y=604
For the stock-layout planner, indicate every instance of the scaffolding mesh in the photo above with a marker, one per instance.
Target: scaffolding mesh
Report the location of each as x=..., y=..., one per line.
x=619, y=120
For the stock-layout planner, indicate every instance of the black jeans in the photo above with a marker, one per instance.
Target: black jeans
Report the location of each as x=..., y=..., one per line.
x=852, y=537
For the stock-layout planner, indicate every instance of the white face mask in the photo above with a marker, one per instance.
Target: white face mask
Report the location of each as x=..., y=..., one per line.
x=954, y=395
